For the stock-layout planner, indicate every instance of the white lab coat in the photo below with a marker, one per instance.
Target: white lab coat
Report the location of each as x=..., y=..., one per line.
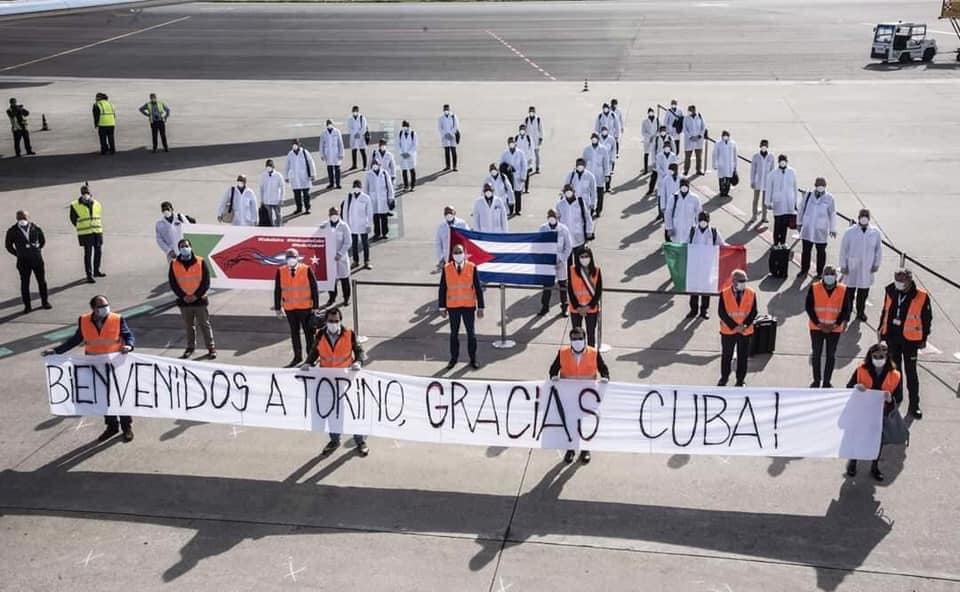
x=447, y=126
x=518, y=160
x=818, y=217
x=667, y=187
x=657, y=143
x=611, y=145
x=501, y=187
x=620, y=117
x=577, y=220
x=245, y=209
x=725, y=158
x=442, y=238
x=564, y=247
x=169, y=233
x=694, y=131
x=357, y=211
x=271, y=188
x=534, y=129
x=669, y=117
x=301, y=169
x=380, y=189
x=526, y=143
x=861, y=251
x=663, y=161
x=342, y=241
x=760, y=168
x=490, y=217
x=609, y=121
x=357, y=128
x=598, y=160
x=705, y=236
x=680, y=215
x=386, y=161
x=781, y=191
x=584, y=185
x=407, y=146
x=648, y=130
x=331, y=146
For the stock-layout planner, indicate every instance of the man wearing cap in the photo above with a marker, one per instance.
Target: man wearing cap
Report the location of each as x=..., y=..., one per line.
x=442, y=238
x=105, y=122
x=295, y=295
x=17, y=114
x=905, y=326
x=578, y=361
x=86, y=215
x=239, y=205
x=737, y=312
x=158, y=113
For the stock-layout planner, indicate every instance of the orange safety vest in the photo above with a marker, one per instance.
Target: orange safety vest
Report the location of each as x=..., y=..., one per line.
x=295, y=290
x=912, y=324
x=737, y=312
x=339, y=355
x=828, y=305
x=580, y=289
x=460, y=292
x=106, y=340
x=585, y=370
x=866, y=378
x=188, y=278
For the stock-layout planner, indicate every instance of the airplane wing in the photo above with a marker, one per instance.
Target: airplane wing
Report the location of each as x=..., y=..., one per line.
x=24, y=9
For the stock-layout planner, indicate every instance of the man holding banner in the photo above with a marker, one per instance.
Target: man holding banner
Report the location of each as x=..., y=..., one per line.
x=461, y=298
x=578, y=361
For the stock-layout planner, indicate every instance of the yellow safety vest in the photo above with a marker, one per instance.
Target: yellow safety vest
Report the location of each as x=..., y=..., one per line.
x=108, y=118
x=88, y=220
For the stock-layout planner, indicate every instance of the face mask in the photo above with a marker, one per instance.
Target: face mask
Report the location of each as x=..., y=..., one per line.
x=667, y=150
x=330, y=128
x=494, y=172
x=488, y=194
x=23, y=223
x=458, y=257
x=375, y=168
x=533, y=114
x=333, y=328
x=878, y=363
x=585, y=261
x=594, y=142
x=578, y=345
x=763, y=151
x=783, y=164
x=684, y=190
x=382, y=150
x=355, y=113
x=523, y=133
x=650, y=115
x=406, y=128
x=580, y=168
x=725, y=138
x=820, y=188
x=692, y=113
x=864, y=221
x=512, y=147
x=449, y=218
x=703, y=224
x=186, y=252
x=900, y=286
x=606, y=110
x=296, y=147
x=552, y=221
x=446, y=112
x=167, y=214
x=739, y=286
x=829, y=280
x=334, y=219
x=101, y=311
x=241, y=185
x=269, y=169
x=568, y=195
x=663, y=134
x=86, y=198
x=292, y=261
x=673, y=105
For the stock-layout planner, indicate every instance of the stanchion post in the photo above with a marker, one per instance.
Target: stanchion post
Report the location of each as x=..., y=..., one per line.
x=356, y=312
x=903, y=259
x=601, y=346
x=503, y=342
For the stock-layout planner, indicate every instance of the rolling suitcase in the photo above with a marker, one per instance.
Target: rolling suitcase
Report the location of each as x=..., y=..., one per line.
x=779, y=260
x=764, y=339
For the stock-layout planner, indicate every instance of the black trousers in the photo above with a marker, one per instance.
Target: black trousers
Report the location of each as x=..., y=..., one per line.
x=698, y=154
x=724, y=186
x=122, y=422
x=860, y=298
x=107, y=139
x=92, y=255
x=301, y=197
x=158, y=127
x=356, y=241
x=548, y=294
x=412, y=178
x=333, y=176
x=21, y=135
x=653, y=182
x=646, y=161
x=576, y=319
x=700, y=303
x=600, y=194
x=344, y=285
x=26, y=267
x=817, y=339
x=468, y=317
x=806, y=253
x=381, y=225
x=904, y=355
x=607, y=181
x=450, y=155
x=517, y=201
x=780, y=227
x=299, y=320
x=727, y=345
x=353, y=157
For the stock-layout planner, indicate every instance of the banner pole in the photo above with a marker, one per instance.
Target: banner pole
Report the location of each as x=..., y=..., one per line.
x=356, y=312
x=503, y=342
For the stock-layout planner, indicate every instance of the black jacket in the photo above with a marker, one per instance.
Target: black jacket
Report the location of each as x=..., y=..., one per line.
x=23, y=249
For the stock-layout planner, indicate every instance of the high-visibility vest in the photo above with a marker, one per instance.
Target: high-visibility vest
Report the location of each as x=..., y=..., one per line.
x=188, y=278
x=827, y=305
x=339, y=355
x=912, y=323
x=106, y=340
x=160, y=110
x=580, y=289
x=89, y=219
x=585, y=370
x=737, y=312
x=295, y=290
x=460, y=292
x=108, y=118
x=867, y=379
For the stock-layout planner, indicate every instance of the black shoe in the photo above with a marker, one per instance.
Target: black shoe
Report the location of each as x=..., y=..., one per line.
x=451, y=364
x=27, y=310
x=862, y=317
x=354, y=264
x=826, y=385
x=47, y=305
x=90, y=280
x=721, y=382
x=916, y=413
x=128, y=435
x=474, y=365
x=741, y=384
x=877, y=473
x=107, y=434
x=446, y=168
x=331, y=446
x=705, y=315
x=692, y=314
x=814, y=384
x=542, y=312
x=211, y=354
x=346, y=303
x=329, y=303
x=297, y=211
x=99, y=274
x=186, y=353
x=367, y=265
x=851, y=468
x=801, y=274
x=362, y=449
x=338, y=187
x=296, y=361
x=585, y=457
x=564, y=312
x=569, y=456
x=306, y=212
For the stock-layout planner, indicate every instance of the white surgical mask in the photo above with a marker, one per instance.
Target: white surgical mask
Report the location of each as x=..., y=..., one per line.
x=449, y=218
x=724, y=138
x=488, y=194
x=820, y=188
x=23, y=223
x=241, y=184
x=829, y=280
x=533, y=113
x=667, y=150
x=878, y=363
x=568, y=194
x=494, y=172
x=604, y=134
x=580, y=168
x=446, y=112
x=406, y=128
x=334, y=219
x=702, y=223
x=650, y=115
x=864, y=221
x=523, y=132
x=330, y=127
x=186, y=252
x=375, y=168
x=458, y=257
x=511, y=146
x=292, y=261
x=296, y=147
x=167, y=213
x=605, y=110
x=663, y=134
x=739, y=286
x=684, y=190
x=552, y=221
x=269, y=169
x=101, y=311
x=594, y=141
x=585, y=261
x=783, y=164
x=333, y=328
x=900, y=286
x=578, y=345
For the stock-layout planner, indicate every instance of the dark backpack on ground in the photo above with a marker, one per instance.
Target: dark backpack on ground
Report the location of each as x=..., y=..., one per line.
x=764, y=339
x=779, y=260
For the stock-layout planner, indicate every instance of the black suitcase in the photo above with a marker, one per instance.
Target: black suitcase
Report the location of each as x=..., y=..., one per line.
x=779, y=260
x=764, y=339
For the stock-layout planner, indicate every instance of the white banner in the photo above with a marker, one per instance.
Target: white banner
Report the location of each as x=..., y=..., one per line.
x=667, y=419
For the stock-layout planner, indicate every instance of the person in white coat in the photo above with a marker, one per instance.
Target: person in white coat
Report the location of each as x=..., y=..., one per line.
x=607, y=141
x=667, y=187
x=331, y=151
x=387, y=162
x=597, y=159
x=407, y=142
x=169, y=230
x=528, y=146
x=441, y=240
x=300, y=173
x=607, y=119
x=725, y=162
x=584, y=184
x=489, y=212
x=517, y=160
x=500, y=183
x=448, y=125
x=694, y=137
x=648, y=131
x=621, y=125
x=574, y=213
x=564, y=250
x=673, y=121
x=271, y=193
x=861, y=252
x=657, y=147
x=341, y=244
x=780, y=195
x=817, y=222
x=682, y=213
x=535, y=130
x=761, y=165
x=359, y=135
x=380, y=189
x=357, y=211
x=240, y=202
x=702, y=234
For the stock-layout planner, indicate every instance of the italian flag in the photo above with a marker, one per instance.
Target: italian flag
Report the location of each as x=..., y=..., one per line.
x=703, y=268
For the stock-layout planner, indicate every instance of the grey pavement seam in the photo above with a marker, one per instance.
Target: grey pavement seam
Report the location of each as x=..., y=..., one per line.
x=513, y=513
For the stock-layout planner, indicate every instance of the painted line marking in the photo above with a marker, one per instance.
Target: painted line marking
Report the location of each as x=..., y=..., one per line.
x=90, y=557
x=61, y=334
x=5, y=352
x=293, y=574
x=520, y=55
x=94, y=44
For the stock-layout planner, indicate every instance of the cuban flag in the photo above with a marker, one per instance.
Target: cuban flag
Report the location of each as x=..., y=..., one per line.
x=527, y=258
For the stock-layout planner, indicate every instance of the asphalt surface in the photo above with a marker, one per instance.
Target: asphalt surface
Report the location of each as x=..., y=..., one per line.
x=643, y=40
